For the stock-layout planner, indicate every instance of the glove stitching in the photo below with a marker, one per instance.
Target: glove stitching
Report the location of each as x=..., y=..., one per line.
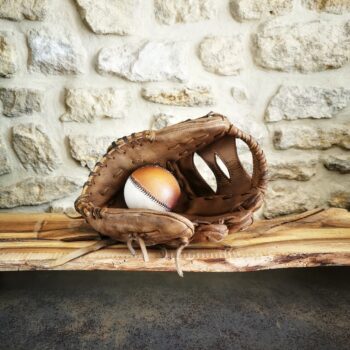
x=238, y=217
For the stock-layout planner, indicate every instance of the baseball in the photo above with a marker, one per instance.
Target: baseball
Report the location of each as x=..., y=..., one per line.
x=151, y=187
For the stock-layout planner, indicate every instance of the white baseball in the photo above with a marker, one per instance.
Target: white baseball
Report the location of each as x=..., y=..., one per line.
x=151, y=187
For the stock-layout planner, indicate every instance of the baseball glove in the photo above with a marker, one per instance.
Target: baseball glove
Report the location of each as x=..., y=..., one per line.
x=201, y=214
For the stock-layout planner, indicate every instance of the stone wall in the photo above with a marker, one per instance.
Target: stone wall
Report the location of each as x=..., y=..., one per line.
x=76, y=74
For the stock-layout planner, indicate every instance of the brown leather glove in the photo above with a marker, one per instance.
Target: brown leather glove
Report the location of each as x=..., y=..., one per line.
x=201, y=214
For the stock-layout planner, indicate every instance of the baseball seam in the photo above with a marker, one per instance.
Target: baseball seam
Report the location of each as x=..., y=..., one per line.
x=139, y=186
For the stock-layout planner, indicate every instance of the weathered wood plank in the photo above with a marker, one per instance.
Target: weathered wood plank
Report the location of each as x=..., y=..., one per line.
x=315, y=238
x=24, y=222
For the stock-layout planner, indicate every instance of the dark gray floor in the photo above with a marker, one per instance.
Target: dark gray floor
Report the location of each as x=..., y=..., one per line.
x=285, y=309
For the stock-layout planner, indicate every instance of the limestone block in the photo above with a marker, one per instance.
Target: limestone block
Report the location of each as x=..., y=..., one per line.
x=339, y=162
x=312, y=137
x=297, y=168
x=87, y=104
x=34, y=148
x=186, y=96
x=337, y=7
x=18, y=102
x=297, y=102
x=17, y=10
x=35, y=191
x=5, y=167
x=88, y=150
x=256, y=9
x=64, y=206
x=222, y=55
x=8, y=55
x=288, y=199
x=312, y=46
x=148, y=61
x=240, y=94
x=55, y=52
x=183, y=11
x=111, y=16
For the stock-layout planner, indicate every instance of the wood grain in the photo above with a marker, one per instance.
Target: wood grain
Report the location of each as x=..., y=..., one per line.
x=314, y=238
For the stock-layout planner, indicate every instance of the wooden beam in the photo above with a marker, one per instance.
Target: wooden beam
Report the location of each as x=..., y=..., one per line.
x=314, y=238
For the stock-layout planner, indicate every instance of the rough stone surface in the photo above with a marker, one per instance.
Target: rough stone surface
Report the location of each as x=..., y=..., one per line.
x=256, y=9
x=110, y=16
x=180, y=96
x=340, y=199
x=35, y=191
x=340, y=163
x=54, y=52
x=161, y=120
x=4, y=159
x=297, y=102
x=87, y=150
x=193, y=66
x=332, y=6
x=288, y=199
x=177, y=11
x=148, y=61
x=222, y=54
x=292, y=169
x=34, y=148
x=8, y=55
x=240, y=94
x=86, y=105
x=302, y=46
x=18, y=102
x=17, y=10
x=65, y=206
x=308, y=137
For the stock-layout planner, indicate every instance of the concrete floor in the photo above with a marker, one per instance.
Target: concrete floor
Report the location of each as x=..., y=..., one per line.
x=285, y=309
